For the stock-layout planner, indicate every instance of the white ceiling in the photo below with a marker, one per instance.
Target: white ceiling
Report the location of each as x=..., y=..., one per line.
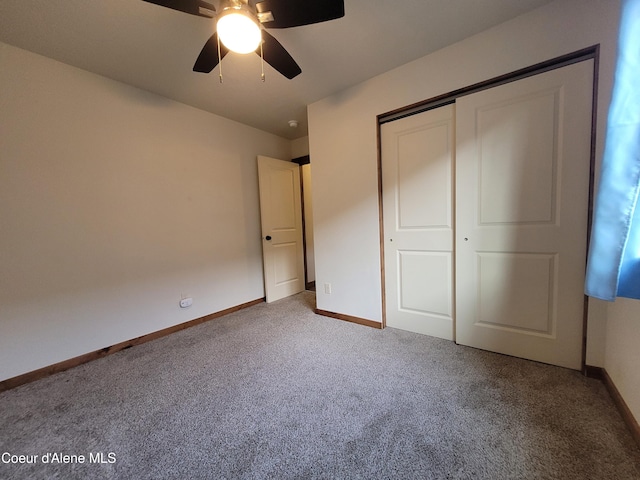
x=154, y=48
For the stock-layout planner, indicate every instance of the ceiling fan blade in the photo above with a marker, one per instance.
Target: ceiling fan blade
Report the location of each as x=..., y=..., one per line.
x=194, y=7
x=294, y=13
x=208, y=58
x=276, y=56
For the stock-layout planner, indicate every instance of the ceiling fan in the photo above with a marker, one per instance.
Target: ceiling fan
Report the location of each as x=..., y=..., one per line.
x=241, y=27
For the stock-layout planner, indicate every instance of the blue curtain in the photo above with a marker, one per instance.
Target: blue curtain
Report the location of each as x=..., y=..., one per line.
x=613, y=267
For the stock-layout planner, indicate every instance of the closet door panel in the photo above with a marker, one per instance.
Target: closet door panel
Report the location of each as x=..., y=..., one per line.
x=522, y=181
x=417, y=184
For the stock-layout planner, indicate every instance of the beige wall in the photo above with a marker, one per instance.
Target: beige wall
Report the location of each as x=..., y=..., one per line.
x=308, y=221
x=114, y=203
x=622, y=359
x=343, y=144
x=342, y=138
x=300, y=147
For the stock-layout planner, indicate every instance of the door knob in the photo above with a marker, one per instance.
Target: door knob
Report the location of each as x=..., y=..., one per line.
x=268, y=237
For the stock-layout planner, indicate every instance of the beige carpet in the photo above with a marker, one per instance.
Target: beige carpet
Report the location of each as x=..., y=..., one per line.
x=276, y=391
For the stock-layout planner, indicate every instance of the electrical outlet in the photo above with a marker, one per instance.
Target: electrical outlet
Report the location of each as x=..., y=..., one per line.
x=327, y=288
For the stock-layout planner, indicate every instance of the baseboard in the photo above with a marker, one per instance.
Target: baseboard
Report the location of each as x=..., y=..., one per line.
x=103, y=352
x=349, y=318
x=310, y=285
x=594, y=372
x=601, y=374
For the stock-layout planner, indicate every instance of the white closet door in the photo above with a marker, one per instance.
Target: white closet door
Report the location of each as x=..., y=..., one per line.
x=523, y=155
x=417, y=176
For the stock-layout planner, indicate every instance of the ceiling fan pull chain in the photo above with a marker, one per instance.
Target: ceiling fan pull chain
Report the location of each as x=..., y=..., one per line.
x=219, y=59
x=261, y=58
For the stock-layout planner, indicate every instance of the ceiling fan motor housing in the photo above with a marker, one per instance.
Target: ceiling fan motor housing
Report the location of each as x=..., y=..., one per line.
x=238, y=27
x=264, y=14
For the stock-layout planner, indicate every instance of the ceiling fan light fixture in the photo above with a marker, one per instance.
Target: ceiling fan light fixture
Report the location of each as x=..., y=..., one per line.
x=238, y=30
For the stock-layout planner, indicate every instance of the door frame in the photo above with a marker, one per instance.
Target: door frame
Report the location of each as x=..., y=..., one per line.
x=304, y=160
x=588, y=53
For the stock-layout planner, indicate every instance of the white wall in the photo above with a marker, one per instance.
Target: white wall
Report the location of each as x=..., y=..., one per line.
x=307, y=193
x=342, y=138
x=623, y=353
x=114, y=202
x=300, y=147
x=342, y=135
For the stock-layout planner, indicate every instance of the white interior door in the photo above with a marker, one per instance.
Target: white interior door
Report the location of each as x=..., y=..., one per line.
x=281, y=217
x=417, y=179
x=523, y=165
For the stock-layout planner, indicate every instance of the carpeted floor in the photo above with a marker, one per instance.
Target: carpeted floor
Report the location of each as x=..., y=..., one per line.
x=275, y=391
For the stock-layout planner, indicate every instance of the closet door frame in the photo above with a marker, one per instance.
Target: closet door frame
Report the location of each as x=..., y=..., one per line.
x=592, y=52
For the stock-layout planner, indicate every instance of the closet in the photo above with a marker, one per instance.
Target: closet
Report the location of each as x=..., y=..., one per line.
x=485, y=211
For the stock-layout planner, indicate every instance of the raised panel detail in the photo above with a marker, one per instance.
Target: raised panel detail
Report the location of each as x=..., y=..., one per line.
x=417, y=164
x=517, y=291
x=424, y=178
x=282, y=200
x=424, y=282
x=285, y=263
x=518, y=164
